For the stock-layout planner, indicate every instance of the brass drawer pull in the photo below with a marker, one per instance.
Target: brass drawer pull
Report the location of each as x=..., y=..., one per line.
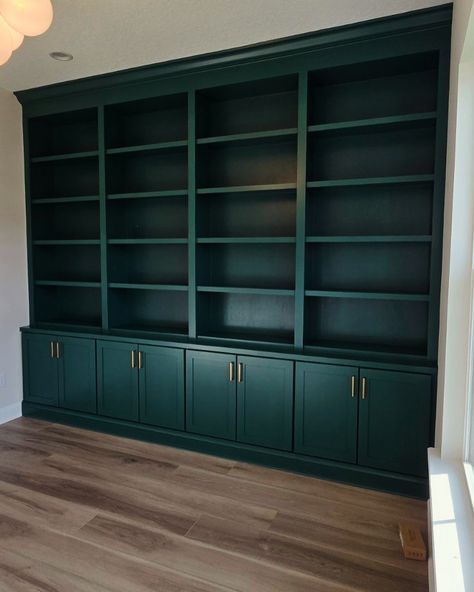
x=364, y=388
x=52, y=349
x=353, y=386
x=140, y=360
x=240, y=372
x=132, y=361
x=58, y=353
x=231, y=371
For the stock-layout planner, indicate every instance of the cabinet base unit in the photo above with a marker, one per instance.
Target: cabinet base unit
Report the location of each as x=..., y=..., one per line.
x=240, y=253
x=336, y=419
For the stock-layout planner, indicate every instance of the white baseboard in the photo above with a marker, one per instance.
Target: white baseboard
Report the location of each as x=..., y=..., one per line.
x=10, y=412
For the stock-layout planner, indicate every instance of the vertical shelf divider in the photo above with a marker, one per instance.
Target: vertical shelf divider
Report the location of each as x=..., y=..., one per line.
x=301, y=207
x=29, y=225
x=103, y=219
x=438, y=202
x=192, y=313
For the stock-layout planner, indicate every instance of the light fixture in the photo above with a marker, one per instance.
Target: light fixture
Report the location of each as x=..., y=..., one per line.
x=61, y=56
x=19, y=18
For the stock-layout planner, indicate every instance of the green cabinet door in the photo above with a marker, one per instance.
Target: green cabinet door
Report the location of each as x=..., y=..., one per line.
x=40, y=369
x=326, y=411
x=265, y=402
x=117, y=380
x=210, y=394
x=394, y=420
x=77, y=374
x=162, y=386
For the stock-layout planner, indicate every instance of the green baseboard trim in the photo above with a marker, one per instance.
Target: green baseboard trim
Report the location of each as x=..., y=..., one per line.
x=335, y=471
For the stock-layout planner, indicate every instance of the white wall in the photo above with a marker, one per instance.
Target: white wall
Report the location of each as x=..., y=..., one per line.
x=13, y=270
x=458, y=240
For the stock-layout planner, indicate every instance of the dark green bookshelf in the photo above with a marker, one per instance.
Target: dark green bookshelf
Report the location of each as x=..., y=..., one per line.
x=275, y=210
x=347, y=150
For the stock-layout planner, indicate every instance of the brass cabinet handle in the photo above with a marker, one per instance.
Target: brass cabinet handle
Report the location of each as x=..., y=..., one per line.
x=132, y=361
x=364, y=387
x=231, y=371
x=52, y=349
x=240, y=369
x=353, y=386
x=58, y=353
x=140, y=360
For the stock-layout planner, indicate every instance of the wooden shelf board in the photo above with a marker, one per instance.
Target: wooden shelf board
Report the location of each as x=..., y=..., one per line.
x=130, y=286
x=357, y=348
x=67, y=156
x=247, y=188
x=148, y=194
x=418, y=238
x=66, y=243
x=367, y=295
x=148, y=147
x=256, y=291
x=247, y=240
x=69, y=284
x=252, y=136
x=371, y=181
x=147, y=241
x=157, y=330
x=53, y=200
x=374, y=122
x=248, y=336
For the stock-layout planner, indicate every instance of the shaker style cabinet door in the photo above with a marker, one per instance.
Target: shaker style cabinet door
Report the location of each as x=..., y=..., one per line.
x=326, y=411
x=40, y=369
x=117, y=379
x=77, y=374
x=211, y=394
x=161, y=386
x=265, y=402
x=394, y=421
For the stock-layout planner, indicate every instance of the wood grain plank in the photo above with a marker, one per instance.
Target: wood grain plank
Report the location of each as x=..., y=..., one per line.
x=333, y=564
x=119, y=500
x=114, y=571
x=43, y=510
x=221, y=568
x=278, y=498
x=189, y=500
x=18, y=574
x=177, y=456
x=90, y=454
x=407, y=508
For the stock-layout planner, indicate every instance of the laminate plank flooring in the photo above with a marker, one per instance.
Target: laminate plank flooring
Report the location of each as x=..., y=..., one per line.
x=82, y=511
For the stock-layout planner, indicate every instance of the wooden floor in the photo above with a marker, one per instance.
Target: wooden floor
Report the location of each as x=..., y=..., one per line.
x=82, y=511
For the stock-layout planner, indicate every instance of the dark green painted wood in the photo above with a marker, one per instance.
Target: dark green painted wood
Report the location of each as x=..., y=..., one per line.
x=326, y=411
x=117, y=381
x=343, y=472
x=252, y=349
x=40, y=369
x=211, y=394
x=161, y=387
x=77, y=374
x=301, y=207
x=434, y=18
x=265, y=402
x=395, y=421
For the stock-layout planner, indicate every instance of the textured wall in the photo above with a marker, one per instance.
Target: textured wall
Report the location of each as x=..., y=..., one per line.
x=13, y=276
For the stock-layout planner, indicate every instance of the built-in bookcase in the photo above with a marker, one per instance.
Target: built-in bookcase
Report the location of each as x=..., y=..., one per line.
x=65, y=215
x=294, y=209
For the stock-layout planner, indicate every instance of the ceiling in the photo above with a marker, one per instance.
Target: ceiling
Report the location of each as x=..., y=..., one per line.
x=109, y=35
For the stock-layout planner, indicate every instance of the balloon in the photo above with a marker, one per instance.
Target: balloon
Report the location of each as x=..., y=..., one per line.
x=28, y=17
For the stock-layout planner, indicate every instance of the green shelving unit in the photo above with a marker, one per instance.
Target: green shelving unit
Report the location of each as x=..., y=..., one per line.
x=308, y=218
x=242, y=251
